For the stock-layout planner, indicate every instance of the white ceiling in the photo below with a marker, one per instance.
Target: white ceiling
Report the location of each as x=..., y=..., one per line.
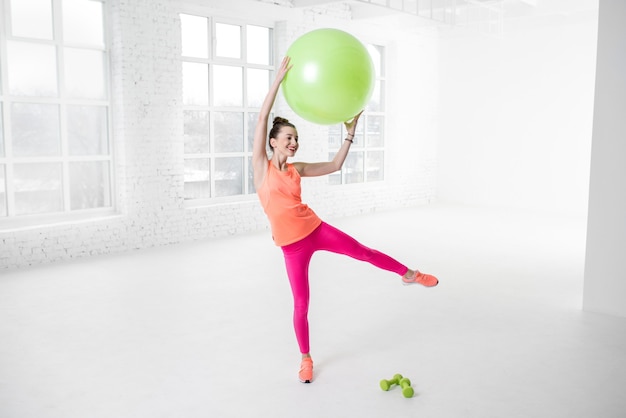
x=444, y=10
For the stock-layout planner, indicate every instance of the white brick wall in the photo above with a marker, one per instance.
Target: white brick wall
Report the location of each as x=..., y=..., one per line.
x=148, y=145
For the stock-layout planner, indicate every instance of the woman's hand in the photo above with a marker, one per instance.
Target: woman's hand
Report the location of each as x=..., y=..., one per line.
x=283, y=69
x=351, y=124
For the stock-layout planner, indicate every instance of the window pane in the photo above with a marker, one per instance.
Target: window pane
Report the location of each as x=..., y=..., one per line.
x=375, y=165
x=38, y=188
x=3, y=192
x=32, y=18
x=228, y=131
x=358, y=136
x=32, y=69
x=252, y=119
x=251, y=188
x=197, y=179
x=334, y=178
x=354, y=168
x=375, y=130
x=87, y=130
x=195, y=36
x=377, y=59
x=84, y=73
x=334, y=136
x=228, y=176
x=258, y=85
x=1, y=132
x=258, y=47
x=90, y=185
x=227, y=40
x=376, y=103
x=195, y=83
x=196, y=131
x=35, y=130
x=227, y=86
x=82, y=22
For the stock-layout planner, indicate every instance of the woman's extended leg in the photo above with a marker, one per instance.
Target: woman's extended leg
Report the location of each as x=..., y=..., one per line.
x=332, y=239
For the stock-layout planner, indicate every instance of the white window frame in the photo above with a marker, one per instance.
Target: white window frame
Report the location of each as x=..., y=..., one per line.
x=248, y=193
x=8, y=161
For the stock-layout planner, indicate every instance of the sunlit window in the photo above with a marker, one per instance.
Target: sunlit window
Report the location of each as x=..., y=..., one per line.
x=226, y=74
x=366, y=159
x=55, y=154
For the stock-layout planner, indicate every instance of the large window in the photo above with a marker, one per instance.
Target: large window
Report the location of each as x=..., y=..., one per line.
x=366, y=160
x=55, y=154
x=226, y=74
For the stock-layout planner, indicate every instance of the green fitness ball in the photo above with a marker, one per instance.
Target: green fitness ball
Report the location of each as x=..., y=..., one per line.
x=332, y=76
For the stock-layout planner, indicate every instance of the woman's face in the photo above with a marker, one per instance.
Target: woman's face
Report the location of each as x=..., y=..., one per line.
x=286, y=142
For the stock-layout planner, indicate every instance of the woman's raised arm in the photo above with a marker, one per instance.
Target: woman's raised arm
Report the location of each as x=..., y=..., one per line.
x=327, y=167
x=259, y=153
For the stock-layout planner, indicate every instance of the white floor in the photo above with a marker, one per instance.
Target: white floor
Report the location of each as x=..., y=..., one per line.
x=204, y=329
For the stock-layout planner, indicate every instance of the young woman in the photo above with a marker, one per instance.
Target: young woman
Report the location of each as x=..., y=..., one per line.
x=295, y=227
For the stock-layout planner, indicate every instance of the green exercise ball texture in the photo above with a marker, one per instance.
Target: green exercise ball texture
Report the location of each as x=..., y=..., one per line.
x=332, y=76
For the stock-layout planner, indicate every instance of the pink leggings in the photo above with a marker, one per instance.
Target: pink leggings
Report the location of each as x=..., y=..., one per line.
x=297, y=258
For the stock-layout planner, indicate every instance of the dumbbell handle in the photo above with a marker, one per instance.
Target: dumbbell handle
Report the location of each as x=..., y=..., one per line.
x=407, y=390
x=386, y=384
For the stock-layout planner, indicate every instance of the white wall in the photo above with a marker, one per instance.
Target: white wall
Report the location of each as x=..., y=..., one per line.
x=516, y=114
x=605, y=270
x=475, y=120
x=148, y=147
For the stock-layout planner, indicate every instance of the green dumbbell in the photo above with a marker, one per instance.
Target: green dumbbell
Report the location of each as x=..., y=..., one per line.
x=387, y=384
x=407, y=390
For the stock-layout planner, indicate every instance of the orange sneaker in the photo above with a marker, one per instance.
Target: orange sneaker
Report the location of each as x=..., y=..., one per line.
x=421, y=278
x=306, y=370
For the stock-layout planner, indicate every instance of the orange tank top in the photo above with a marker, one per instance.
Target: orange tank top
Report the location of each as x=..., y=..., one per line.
x=280, y=195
